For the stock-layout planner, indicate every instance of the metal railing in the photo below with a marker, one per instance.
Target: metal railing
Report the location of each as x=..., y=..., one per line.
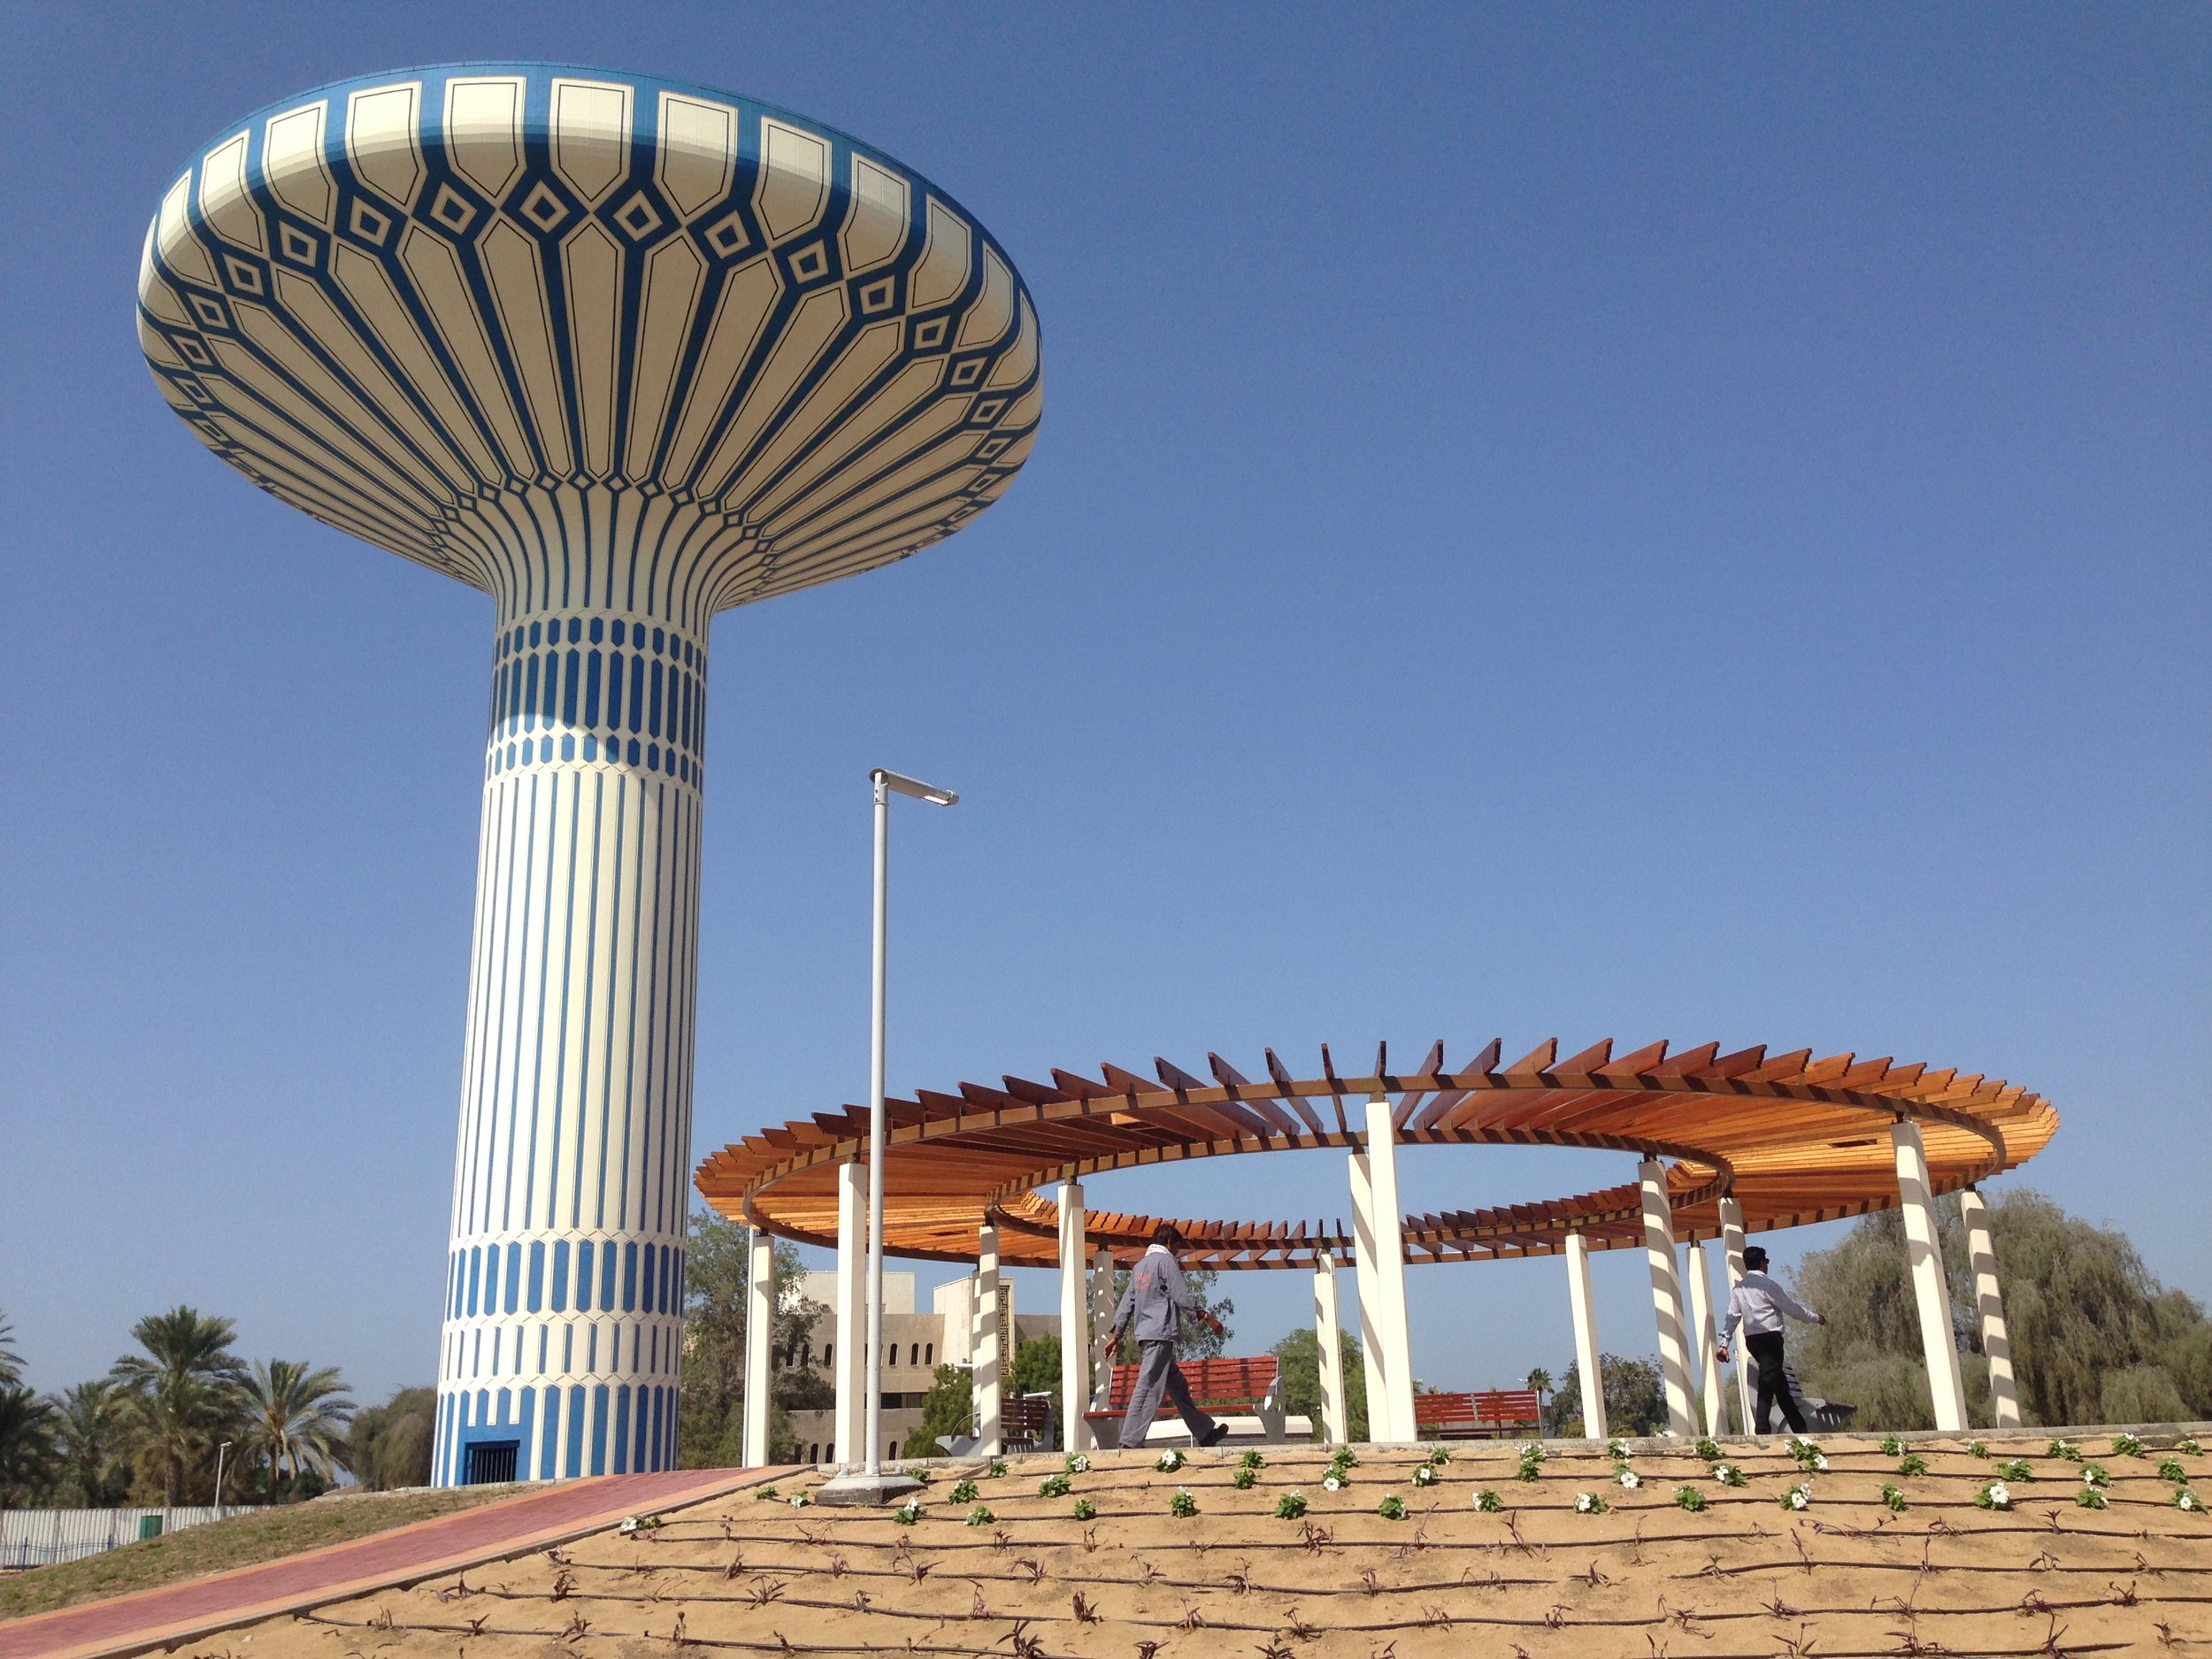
x=38, y=1538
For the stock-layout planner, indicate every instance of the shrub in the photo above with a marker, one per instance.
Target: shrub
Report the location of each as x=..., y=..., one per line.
x=1589, y=1503
x=1251, y=1460
x=2062, y=1448
x=909, y=1512
x=1995, y=1496
x=1053, y=1486
x=965, y=1493
x=1182, y=1505
x=1425, y=1475
x=1086, y=1510
x=1729, y=1475
x=980, y=1516
x=996, y=1470
x=2126, y=1446
x=1893, y=1500
x=1489, y=1502
x=1690, y=1498
x=2172, y=1470
x=1244, y=1480
x=1912, y=1463
x=1892, y=1445
x=1799, y=1496
x=1391, y=1508
x=1710, y=1450
x=2093, y=1475
x=2016, y=1469
x=2090, y=1498
x=1290, y=1507
x=1168, y=1462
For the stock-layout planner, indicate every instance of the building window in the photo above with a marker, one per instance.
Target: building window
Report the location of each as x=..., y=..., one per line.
x=829, y=1352
x=914, y=1355
x=929, y=1353
x=814, y=1453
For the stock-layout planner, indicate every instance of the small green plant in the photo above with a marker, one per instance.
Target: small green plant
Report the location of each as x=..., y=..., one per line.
x=996, y=1470
x=1053, y=1486
x=1799, y=1496
x=799, y=1499
x=2188, y=1447
x=1086, y=1510
x=1912, y=1463
x=633, y=1525
x=1893, y=1500
x=1628, y=1478
x=1182, y=1505
x=1245, y=1479
x=1290, y=1507
x=915, y=1471
x=2170, y=1469
x=1710, y=1450
x=1424, y=1474
x=1808, y=1455
x=766, y=1494
x=1344, y=1457
x=2126, y=1446
x=2016, y=1469
x=1167, y=1463
x=1729, y=1475
x=1892, y=1447
x=1995, y=1496
x=909, y=1512
x=1532, y=1461
x=2188, y=1501
x=1690, y=1498
x=1391, y=1508
x=1251, y=1460
x=965, y=1492
x=1439, y=1458
x=1334, y=1481
x=2090, y=1498
x=1977, y=1448
x=1589, y=1503
x=980, y=1516
x=2093, y=1475
x=1489, y=1502
x=1076, y=1463
x=2066, y=1449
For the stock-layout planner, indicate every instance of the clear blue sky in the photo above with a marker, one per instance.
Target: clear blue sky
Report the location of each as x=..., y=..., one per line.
x=1550, y=521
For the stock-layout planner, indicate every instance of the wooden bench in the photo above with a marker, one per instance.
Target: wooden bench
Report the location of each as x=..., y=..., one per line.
x=1233, y=1386
x=1481, y=1416
x=1025, y=1424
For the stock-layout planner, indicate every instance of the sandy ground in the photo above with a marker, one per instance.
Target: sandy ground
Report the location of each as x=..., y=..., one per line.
x=1845, y=1576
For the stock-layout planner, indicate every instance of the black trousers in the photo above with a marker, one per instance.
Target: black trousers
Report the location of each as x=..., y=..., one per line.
x=1765, y=1348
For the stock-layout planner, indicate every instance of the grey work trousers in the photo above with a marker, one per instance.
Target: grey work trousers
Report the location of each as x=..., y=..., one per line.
x=1157, y=1371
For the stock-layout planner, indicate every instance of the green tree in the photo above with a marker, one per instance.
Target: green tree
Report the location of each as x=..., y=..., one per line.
x=296, y=1415
x=390, y=1445
x=26, y=1446
x=93, y=1444
x=710, y=1431
x=183, y=1385
x=1036, y=1370
x=1634, y=1395
x=1301, y=1355
x=1539, y=1383
x=11, y=1360
x=948, y=1409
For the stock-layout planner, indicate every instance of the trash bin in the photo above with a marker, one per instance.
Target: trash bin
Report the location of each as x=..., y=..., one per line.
x=149, y=1526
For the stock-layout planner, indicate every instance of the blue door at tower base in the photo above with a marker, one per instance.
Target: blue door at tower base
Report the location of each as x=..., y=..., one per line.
x=491, y=1461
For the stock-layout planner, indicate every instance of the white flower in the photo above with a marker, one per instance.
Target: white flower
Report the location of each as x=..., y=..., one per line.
x=1079, y=1464
x=1800, y=1496
x=1723, y=1473
x=2000, y=1494
x=1424, y=1475
x=1332, y=1483
x=2187, y=1499
x=629, y=1523
x=1586, y=1502
x=1169, y=1460
x=799, y=1499
x=1820, y=1462
x=1631, y=1479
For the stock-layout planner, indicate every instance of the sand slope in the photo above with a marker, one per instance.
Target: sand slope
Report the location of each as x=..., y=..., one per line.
x=1845, y=1576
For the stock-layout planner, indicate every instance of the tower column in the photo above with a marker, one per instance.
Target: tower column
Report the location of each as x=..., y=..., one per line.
x=1391, y=1326
x=1336, y=1418
x=1930, y=1288
x=564, y=1307
x=1588, y=1367
x=1666, y=1298
x=983, y=1373
x=1370, y=1354
x=1732, y=1270
x=760, y=1326
x=1703, y=1332
x=1981, y=1249
x=1101, y=1323
x=1075, y=1344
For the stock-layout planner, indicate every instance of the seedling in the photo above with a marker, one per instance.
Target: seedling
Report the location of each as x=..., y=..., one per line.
x=1391, y=1508
x=1690, y=1498
x=1182, y=1505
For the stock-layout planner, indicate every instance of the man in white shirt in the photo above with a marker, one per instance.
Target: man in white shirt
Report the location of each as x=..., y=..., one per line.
x=1158, y=1299
x=1758, y=1304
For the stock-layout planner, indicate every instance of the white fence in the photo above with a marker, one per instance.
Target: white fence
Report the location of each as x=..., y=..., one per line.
x=35, y=1538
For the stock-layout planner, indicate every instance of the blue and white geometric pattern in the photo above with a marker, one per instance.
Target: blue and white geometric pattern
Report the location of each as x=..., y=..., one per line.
x=622, y=353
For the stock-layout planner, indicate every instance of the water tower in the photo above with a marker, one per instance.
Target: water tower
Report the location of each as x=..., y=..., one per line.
x=621, y=353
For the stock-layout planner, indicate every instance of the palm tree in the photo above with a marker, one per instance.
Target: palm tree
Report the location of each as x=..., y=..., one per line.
x=26, y=1443
x=91, y=1435
x=184, y=1385
x=10, y=1362
x=296, y=1413
x=1539, y=1383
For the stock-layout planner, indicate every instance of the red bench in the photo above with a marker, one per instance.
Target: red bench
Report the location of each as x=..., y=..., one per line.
x=1468, y=1417
x=1238, y=1386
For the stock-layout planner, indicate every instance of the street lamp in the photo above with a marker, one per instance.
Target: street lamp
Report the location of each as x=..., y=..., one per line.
x=872, y=1485
x=221, y=1451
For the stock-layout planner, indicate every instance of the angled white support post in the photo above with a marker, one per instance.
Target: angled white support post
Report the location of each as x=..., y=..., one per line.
x=1336, y=1424
x=1732, y=1270
x=852, y=1264
x=1666, y=1298
x=1588, y=1368
x=1712, y=1417
x=984, y=1343
x=760, y=1329
x=1392, y=1324
x=1989, y=1304
x=1101, y=1325
x=1931, y=1291
x=1370, y=1354
x=1075, y=1340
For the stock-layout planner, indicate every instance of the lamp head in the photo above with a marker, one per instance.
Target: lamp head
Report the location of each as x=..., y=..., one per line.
x=914, y=787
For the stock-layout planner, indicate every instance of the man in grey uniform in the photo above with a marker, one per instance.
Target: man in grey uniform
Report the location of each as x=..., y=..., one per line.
x=1758, y=1304
x=1152, y=1310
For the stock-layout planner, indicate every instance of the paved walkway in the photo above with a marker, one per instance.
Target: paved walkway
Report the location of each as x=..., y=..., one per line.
x=495, y=1532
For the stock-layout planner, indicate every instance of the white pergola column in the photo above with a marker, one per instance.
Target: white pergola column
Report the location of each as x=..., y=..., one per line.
x=1370, y=1354
x=760, y=1329
x=1732, y=1270
x=1336, y=1418
x=1587, y=1371
x=1666, y=1298
x=1392, y=1327
x=1981, y=1249
x=1075, y=1341
x=1712, y=1415
x=983, y=1344
x=1930, y=1289
x=851, y=1375
x=1101, y=1326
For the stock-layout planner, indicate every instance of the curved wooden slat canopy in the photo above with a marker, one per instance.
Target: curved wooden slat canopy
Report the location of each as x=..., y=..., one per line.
x=1793, y=1139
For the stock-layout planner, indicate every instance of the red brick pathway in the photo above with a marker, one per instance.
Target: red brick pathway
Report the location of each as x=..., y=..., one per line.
x=512, y=1526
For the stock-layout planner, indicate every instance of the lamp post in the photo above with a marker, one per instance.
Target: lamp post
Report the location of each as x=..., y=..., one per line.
x=872, y=1485
x=221, y=1451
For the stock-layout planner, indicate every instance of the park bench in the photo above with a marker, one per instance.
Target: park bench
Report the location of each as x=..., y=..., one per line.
x=1481, y=1416
x=1226, y=1388
x=1025, y=1424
